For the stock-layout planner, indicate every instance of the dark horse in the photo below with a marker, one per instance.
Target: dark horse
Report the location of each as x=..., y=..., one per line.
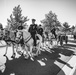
x=74, y=37
x=53, y=31
x=62, y=38
x=9, y=38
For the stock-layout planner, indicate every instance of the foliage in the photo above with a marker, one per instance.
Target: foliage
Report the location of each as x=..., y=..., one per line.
x=16, y=19
x=50, y=21
x=74, y=31
x=66, y=27
x=72, y=28
x=1, y=26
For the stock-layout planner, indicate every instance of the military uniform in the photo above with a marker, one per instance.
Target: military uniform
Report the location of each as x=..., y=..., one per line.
x=33, y=30
x=53, y=32
x=40, y=31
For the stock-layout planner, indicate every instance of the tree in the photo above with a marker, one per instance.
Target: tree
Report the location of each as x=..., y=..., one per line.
x=58, y=24
x=50, y=21
x=66, y=27
x=1, y=26
x=72, y=29
x=16, y=19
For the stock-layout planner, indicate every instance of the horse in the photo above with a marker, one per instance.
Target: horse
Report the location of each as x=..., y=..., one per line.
x=24, y=38
x=53, y=31
x=46, y=42
x=62, y=37
x=9, y=38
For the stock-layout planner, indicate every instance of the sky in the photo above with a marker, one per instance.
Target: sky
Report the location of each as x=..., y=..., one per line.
x=64, y=9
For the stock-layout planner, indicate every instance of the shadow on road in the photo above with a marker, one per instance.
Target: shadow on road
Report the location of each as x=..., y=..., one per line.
x=73, y=41
x=66, y=49
x=20, y=66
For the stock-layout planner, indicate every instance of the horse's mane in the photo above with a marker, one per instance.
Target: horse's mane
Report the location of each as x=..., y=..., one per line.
x=25, y=34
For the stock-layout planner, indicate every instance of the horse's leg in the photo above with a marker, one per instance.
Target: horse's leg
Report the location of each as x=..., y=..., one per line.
x=30, y=49
x=13, y=55
x=43, y=41
x=51, y=41
x=16, y=47
x=6, y=50
x=26, y=54
x=38, y=49
x=31, y=54
x=39, y=45
x=57, y=40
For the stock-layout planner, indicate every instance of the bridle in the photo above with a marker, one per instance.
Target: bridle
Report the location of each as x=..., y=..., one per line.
x=21, y=36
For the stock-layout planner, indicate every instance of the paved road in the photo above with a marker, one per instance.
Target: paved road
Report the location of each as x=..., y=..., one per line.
x=45, y=64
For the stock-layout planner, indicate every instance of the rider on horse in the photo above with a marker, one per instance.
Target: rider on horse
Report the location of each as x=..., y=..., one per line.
x=40, y=30
x=21, y=28
x=33, y=30
x=54, y=32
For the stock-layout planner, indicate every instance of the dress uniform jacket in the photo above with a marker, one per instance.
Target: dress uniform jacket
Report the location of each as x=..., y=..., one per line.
x=40, y=31
x=33, y=28
x=33, y=31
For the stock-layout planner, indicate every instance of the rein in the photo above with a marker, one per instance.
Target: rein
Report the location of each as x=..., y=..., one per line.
x=27, y=39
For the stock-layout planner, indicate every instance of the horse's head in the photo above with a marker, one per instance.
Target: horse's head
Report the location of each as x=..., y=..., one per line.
x=19, y=35
x=5, y=34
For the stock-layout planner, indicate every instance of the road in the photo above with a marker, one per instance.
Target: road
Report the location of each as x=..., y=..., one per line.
x=45, y=64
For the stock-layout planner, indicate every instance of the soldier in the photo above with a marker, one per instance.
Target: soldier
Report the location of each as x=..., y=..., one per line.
x=40, y=30
x=21, y=28
x=54, y=32
x=33, y=30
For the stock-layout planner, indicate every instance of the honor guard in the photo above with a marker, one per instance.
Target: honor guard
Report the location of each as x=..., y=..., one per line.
x=40, y=30
x=54, y=32
x=33, y=30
